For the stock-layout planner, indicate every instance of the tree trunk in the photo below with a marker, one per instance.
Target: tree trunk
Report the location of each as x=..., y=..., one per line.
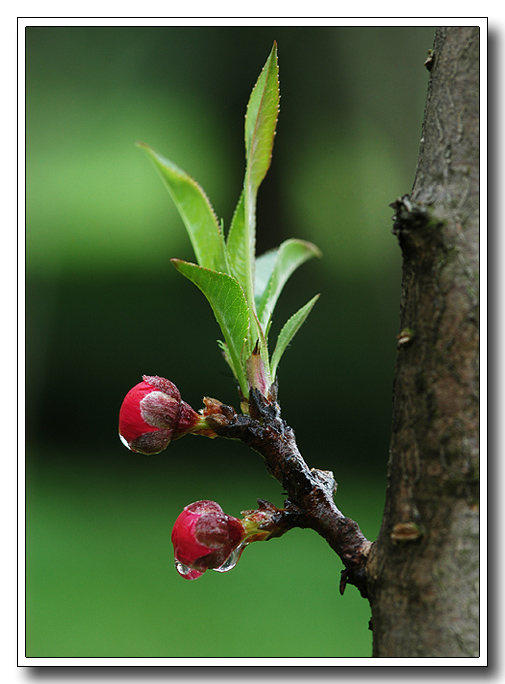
x=423, y=569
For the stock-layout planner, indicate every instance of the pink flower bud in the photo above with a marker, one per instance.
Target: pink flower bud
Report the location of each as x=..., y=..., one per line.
x=204, y=537
x=152, y=415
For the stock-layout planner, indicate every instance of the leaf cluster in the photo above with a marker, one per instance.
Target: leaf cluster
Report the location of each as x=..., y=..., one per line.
x=242, y=289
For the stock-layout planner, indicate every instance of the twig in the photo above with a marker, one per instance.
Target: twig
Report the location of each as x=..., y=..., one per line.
x=310, y=491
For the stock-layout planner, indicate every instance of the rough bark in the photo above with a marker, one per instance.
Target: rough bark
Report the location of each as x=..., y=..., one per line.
x=310, y=491
x=422, y=571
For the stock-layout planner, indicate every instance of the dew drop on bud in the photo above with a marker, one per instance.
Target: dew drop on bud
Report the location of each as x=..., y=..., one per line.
x=181, y=568
x=232, y=559
x=124, y=441
x=186, y=572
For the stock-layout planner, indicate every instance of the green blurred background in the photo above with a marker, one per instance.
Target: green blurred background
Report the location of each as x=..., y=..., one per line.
x=104, y=306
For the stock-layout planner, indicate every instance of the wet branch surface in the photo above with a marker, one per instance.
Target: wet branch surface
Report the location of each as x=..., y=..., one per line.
x=310, y=502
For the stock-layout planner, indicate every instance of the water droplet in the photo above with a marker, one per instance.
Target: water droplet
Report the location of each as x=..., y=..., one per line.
x=186, y=572
x=124, y=441
x=232, y=559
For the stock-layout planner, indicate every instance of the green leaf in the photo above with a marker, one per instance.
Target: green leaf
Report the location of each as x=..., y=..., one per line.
x=260, y=123
x=229, y=305
x=261, y=120
x=264, y=267
x=287, y=258
x=196, y=211
x=287, y=333
x=238, y=246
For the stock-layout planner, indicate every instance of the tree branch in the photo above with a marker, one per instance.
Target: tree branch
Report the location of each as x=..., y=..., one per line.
x=310, y=491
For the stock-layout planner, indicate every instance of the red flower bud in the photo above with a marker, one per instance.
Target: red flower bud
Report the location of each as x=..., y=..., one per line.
x=205, y=537
x=152, y=415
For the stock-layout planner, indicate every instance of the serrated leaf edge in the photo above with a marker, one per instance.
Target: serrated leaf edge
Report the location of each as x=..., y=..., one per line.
x=282, y=345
